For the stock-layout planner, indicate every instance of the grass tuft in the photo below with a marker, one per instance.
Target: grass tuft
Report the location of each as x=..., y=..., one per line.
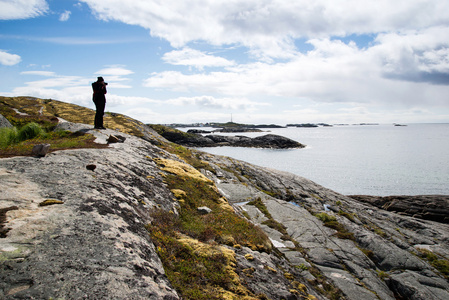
x=8, y=136
x=441, y=264
x=30, y=131
x=331, y=222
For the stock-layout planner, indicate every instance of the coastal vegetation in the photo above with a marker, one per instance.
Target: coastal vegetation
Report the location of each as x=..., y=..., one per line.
x=188, y=243
x=19, y=142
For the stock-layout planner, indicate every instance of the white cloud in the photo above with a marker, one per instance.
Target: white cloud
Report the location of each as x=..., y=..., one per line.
x=195, y=58
x=115, y=71
x=115, y=75
x=421, y=56
x=39, y=73
x=269, y=27
x=65, y=16
x=332, y=72
x=22, y=9
x=8, y=59
x=216, y=103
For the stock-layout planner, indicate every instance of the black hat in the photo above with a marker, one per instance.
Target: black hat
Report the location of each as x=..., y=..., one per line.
x=99, y=79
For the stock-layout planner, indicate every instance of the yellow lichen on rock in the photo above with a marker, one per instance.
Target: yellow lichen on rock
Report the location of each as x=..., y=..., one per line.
x=50, y=202
x=206, y=249
x=299, y=286
x=249, y=257
x=180, y=169
x=270, y=269
x=224, y=205
x=179, y=194
x=237, y=291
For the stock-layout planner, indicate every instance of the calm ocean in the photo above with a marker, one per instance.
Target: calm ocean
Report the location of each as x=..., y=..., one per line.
x=353, y=159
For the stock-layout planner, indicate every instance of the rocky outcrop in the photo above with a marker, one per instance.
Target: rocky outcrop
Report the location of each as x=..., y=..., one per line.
x=94, y=245
x=265, y=141
x=4, y=122
x=84, y=224
x=237, y=130
x=427, y=207
x=365, y=252
x=190, y=139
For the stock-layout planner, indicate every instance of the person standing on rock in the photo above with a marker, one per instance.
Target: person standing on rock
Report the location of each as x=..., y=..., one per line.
x=99, y=98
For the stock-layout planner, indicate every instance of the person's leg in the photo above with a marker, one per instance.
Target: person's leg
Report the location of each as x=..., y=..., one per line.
x=99, y=114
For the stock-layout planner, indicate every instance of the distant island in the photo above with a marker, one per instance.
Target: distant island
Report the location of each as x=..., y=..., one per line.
x=309, y=125
x=228, y=125
x=194, y=138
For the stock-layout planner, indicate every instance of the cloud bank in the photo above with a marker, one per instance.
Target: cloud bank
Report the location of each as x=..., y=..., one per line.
x=22, y=9
x=270, y=26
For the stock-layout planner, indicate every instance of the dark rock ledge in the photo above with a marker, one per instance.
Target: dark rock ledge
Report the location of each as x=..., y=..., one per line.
x=426, y=207
x=198, y=140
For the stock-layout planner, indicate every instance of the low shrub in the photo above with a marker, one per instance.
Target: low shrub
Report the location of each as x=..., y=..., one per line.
x=30, y=131
x=60, y=140
x=325, y=218
x=8, y=136
x=11, y=136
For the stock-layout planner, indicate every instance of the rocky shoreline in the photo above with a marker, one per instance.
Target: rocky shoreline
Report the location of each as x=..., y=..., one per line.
x=426, y=207
x=73, y=232
x=197, y=140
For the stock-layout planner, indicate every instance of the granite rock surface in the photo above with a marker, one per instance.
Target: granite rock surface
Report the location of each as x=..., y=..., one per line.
x=89, y=240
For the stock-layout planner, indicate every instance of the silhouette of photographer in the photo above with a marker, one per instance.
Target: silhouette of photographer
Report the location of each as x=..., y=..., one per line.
x=99, y=98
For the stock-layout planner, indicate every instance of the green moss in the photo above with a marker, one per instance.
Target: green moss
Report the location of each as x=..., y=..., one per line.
x=368, y=253
x=325, y=218
x=274, y=194
x=11, y=255
x=46, y=113
x=58, y=140
x=30, y=131
x=221, y=221
x=436, y=260
x=261, y=206
x=276, y=226
x=331, y=222
x=193, y=275
x=8, y=136
x=323, y=286
x=383, y=275
x=302, y=267
x=347, y=215
x=205, y=274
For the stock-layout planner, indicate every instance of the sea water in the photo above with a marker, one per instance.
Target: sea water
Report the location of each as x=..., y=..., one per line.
x=360, y=159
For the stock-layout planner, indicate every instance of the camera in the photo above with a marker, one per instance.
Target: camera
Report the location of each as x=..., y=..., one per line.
x=105, y=83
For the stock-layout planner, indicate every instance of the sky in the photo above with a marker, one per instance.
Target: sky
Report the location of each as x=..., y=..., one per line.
x=249, y=61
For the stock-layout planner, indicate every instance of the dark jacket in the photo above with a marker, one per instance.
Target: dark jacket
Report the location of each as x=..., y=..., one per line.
x=99, y=92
